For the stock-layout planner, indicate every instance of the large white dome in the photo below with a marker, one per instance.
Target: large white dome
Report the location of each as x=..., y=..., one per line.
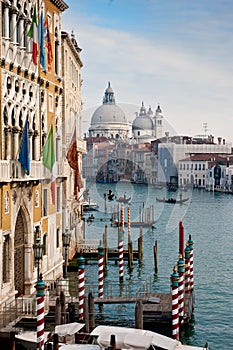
x=109, y=120
x=108, y=113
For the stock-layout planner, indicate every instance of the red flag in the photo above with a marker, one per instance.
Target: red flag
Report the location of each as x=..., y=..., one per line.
x=48, y=44
x=72, y=158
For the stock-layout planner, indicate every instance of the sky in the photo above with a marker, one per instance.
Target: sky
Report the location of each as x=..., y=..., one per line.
x=178, y=54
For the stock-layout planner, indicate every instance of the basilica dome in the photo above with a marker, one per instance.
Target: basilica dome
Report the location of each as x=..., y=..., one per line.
x=109, y=119
x=108, y=113
x=143, y=121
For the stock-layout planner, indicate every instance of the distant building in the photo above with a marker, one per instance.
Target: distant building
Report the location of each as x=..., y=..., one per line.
x=147, y=126
x=109, y=120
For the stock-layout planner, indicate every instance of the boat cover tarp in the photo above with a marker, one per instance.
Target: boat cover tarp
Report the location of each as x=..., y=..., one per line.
x=68, y=329
x=131, y=338
x=79, y=347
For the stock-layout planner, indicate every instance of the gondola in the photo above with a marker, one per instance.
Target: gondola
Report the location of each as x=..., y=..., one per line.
x=172, y=200
x=123, y=200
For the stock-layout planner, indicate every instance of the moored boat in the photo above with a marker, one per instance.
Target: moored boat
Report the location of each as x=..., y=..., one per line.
x=90, y=206
x=132, y=338
x=172, y=200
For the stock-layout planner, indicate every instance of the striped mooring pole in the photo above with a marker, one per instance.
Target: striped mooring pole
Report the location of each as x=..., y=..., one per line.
x=40, y=287
x=181, y=271
x=129, y=228
x=81, y=274
x=187, y=268
x=175, y=304
x=101, y=271
x=123, y=217
x=121, y=254
x=190, y=242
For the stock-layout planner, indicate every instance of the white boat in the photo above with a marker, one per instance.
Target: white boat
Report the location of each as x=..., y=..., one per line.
x=138, y=339
x=90, y=206
x=80, y=347
x=29, y=338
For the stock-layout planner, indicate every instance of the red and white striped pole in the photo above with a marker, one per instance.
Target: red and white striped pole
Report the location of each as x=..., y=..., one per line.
x=187, y=268
x=121, y=246
x=190, y=242
x=81, y=274
x=181, y=271
x=40, y=287
x=123, y=217
x=175, y=304
x=129, y=228
x=101, y=271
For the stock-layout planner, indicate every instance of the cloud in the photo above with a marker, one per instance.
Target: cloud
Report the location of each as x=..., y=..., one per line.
x=184, y=77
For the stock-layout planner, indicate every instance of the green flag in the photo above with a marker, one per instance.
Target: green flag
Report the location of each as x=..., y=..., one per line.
x=48, y=154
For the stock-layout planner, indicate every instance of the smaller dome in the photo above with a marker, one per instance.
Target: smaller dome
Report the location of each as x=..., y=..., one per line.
x=142, y=123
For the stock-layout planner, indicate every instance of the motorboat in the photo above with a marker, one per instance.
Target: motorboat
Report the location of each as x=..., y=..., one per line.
x=29, y=338
x=90, y=206
x=132, y=338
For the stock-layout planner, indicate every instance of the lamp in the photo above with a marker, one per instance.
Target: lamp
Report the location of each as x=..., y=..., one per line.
x=66, y=236
x=38, y=253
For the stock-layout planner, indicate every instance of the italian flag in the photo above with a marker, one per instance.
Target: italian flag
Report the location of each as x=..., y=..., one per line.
x=48, y=160
x=33, y=34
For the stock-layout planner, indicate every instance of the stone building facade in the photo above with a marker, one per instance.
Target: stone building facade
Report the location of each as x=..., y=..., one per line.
x=30, y=92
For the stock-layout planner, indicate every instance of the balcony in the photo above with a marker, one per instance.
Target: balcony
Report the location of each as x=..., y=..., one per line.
x=11, y=170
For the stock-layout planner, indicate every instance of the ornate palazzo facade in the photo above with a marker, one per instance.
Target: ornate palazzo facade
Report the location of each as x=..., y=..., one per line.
x=30, y=92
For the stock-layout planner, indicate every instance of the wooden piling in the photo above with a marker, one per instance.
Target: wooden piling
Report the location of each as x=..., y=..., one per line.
x=55, y=342
x=113, y=342
x=91, y=310
x=57, y=312
x=105, y=246
x=63, y=307
x=130, y=244
x=156, y=256
x=86, y=315
x=12, y=340
x=140, y=246
x=139, y=315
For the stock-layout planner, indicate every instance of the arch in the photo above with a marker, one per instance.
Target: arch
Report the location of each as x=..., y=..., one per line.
x=20, y=239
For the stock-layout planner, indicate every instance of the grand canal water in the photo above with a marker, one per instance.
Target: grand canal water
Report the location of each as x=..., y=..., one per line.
x=208, y=218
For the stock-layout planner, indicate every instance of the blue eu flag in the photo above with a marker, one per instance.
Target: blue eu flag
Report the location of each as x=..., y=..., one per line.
x=24, y=154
